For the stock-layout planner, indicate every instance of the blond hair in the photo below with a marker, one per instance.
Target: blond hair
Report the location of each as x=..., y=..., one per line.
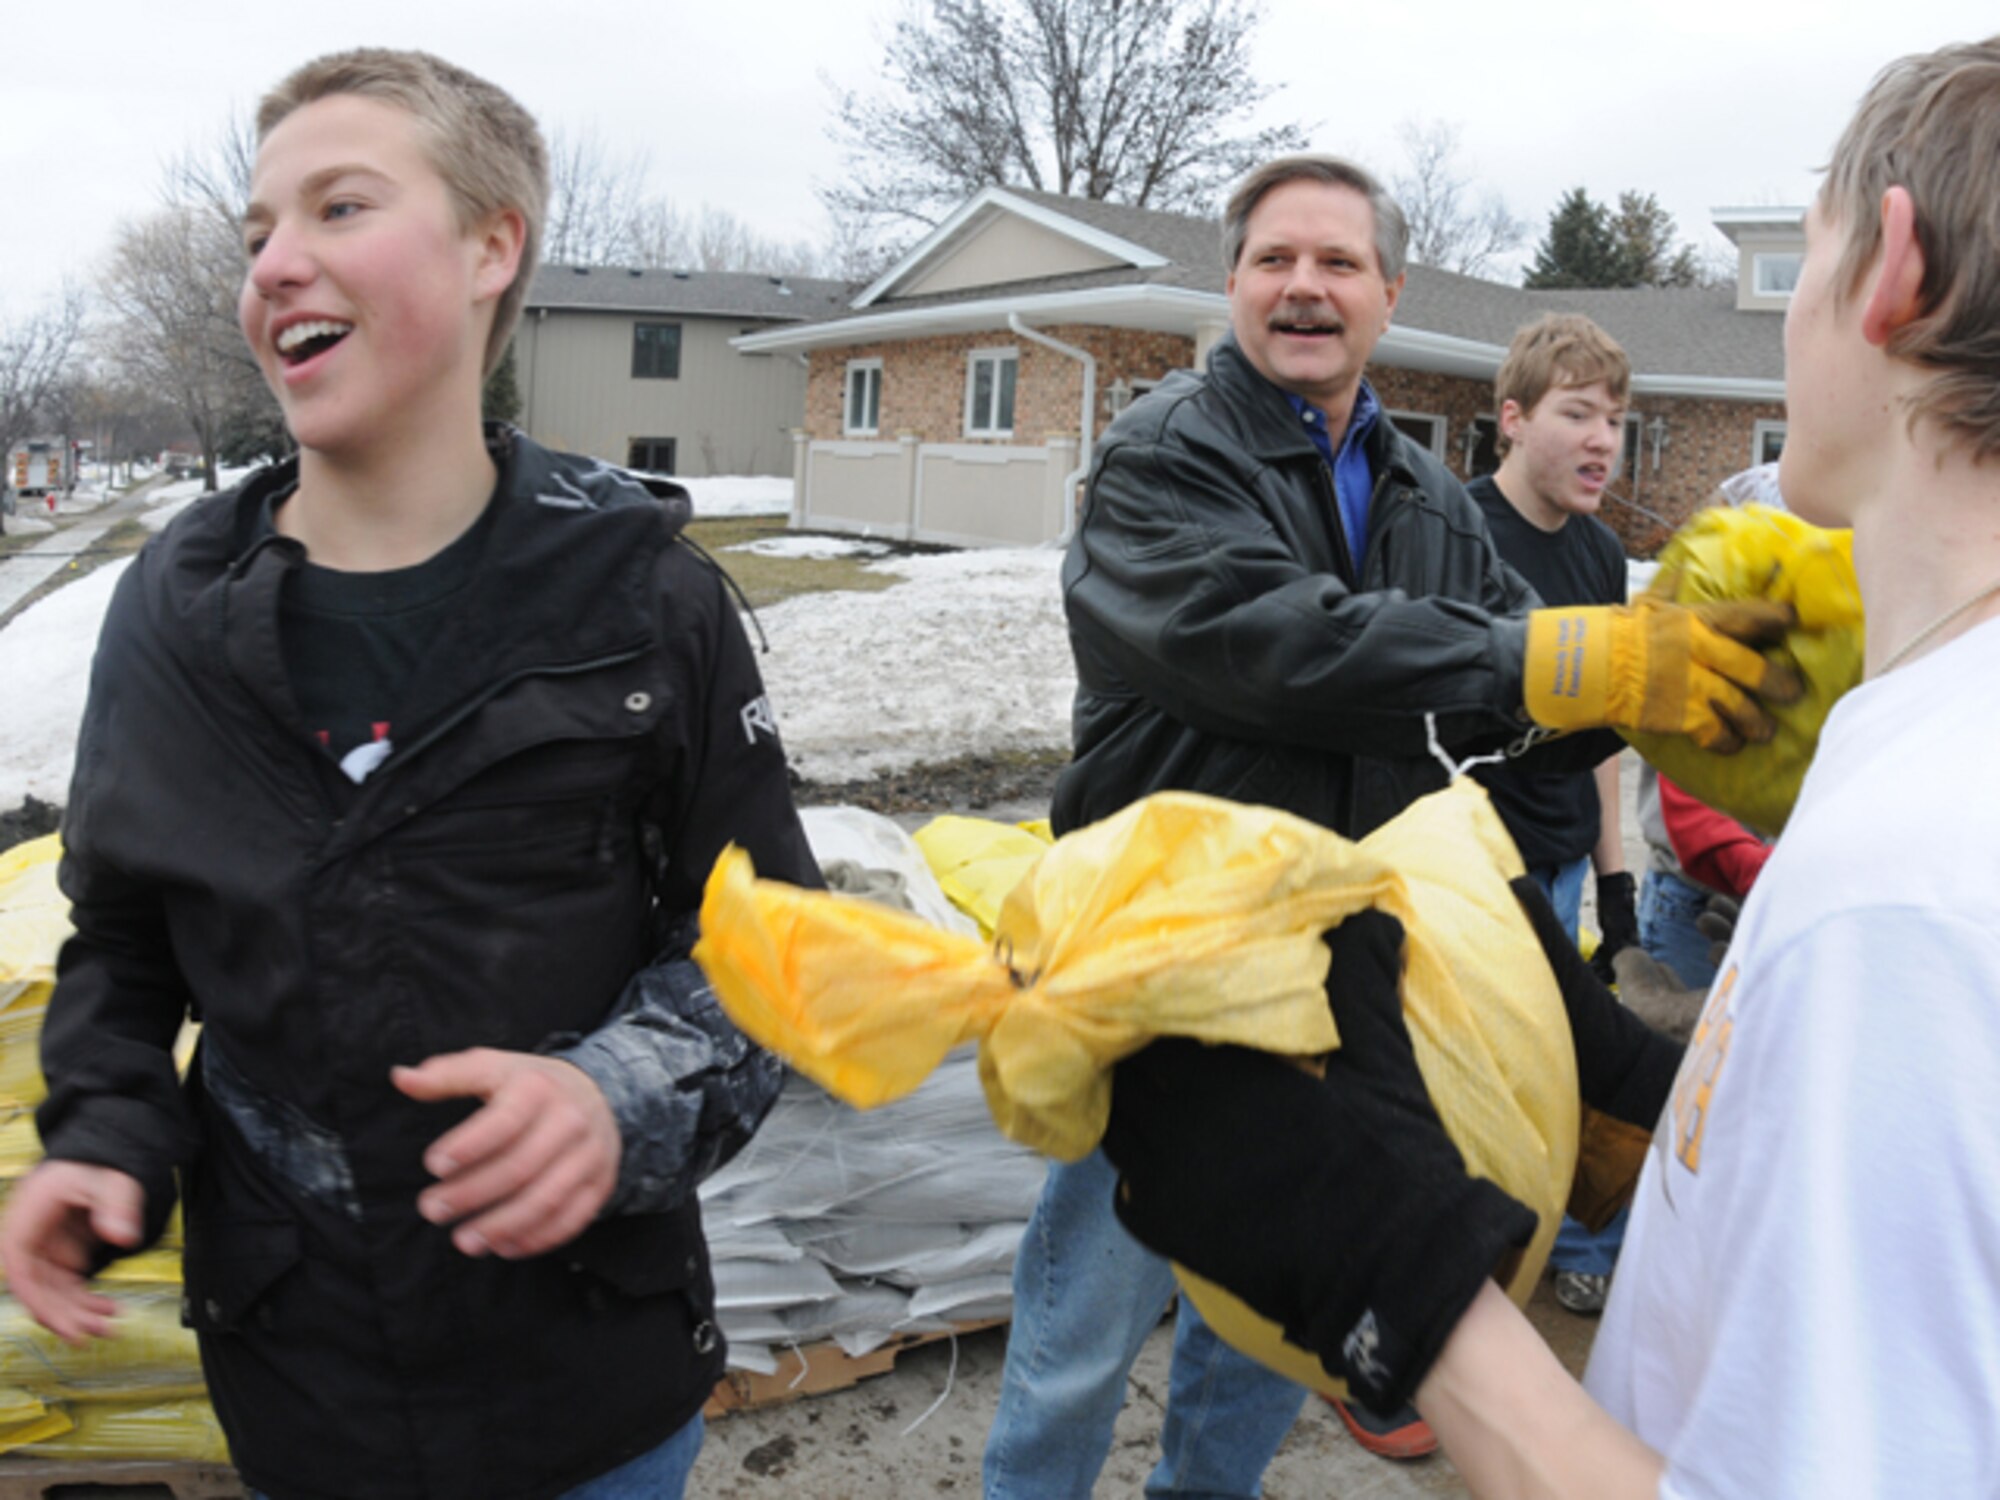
x=1559, y=350
x=1392, y=230
x=485, y=146
x=1930, y=123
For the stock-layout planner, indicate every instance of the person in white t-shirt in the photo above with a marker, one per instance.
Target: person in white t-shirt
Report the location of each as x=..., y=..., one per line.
x=1809, y=1299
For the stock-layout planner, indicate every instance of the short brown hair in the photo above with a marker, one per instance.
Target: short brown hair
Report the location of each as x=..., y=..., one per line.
x=485, y=146
x=1559, y=349
x=1392, y=230
x=1931, y=123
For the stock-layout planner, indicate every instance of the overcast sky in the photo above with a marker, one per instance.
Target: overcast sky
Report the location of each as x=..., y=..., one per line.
x=1706, y=102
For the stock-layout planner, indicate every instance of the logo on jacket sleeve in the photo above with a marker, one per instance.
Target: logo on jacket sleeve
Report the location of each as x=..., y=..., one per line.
x=758, y=718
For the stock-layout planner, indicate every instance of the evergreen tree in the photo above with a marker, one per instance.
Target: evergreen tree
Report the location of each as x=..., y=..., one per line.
x=1580, y=249
x=1645, y=233
x=501, y=401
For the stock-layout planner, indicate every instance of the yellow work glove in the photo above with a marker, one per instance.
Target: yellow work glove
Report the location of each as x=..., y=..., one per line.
x=1661, y=667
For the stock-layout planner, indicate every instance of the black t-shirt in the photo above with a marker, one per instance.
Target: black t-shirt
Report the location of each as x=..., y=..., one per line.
x=1553, y=817
x=352, y=641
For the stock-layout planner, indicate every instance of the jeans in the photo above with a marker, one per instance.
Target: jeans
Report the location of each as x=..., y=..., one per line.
x=1563, y=885
x=1086, y=1295
x=1668, y=906
x=1576, y=1248
x=659, y=1474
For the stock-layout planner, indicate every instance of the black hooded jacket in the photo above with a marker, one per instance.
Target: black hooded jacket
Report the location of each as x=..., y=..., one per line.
x=521, y=872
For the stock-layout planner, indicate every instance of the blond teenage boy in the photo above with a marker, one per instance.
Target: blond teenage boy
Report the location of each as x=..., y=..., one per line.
x=402, y=768
x=1807, y=1304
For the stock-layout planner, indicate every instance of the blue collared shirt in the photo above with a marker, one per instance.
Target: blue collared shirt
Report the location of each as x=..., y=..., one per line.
x=1353, y=480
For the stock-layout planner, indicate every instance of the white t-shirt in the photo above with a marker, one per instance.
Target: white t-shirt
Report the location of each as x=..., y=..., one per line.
x=1808, y=1303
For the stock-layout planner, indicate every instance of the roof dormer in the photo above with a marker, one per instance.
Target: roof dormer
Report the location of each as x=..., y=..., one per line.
x=1771, y=247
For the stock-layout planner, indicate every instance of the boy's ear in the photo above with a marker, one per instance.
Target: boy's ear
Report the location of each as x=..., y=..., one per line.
x=1893, y=299
x=1511, y=417
x=501, y=239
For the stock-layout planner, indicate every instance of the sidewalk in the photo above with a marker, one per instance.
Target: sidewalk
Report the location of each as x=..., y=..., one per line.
x=80, y=521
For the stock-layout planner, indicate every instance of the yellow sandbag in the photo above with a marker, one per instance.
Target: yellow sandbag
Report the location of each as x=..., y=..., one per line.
x=1190, y=916
x=147, y=1348
x=184, y=1430
x=34, y=913
x=1755, y=552
x=41, y=1425
x=977, y=861
x=21, y=1018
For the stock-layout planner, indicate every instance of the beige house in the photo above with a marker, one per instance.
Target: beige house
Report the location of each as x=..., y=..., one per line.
x=956, y=399
x=637, y=366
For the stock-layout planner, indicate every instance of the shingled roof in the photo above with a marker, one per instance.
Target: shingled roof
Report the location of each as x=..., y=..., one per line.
x=1669, y=332
x=714, y=294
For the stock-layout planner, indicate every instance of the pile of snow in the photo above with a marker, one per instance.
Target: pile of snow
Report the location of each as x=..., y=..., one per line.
x=816, y=548
x=739, y=495
x=966, y=656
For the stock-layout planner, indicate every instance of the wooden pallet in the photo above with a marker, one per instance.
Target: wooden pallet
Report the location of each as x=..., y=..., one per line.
x=828, y=1367
x=37, y=1479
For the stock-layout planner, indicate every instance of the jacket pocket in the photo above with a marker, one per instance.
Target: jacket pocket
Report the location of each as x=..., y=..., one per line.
x=230, y=1271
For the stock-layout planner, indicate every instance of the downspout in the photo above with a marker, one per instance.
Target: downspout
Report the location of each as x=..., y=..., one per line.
x=1077, y=475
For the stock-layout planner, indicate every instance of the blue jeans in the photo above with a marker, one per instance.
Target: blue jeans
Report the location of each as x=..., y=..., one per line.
x=1576, y=1248
x=1668, y=906
x=1086, y=1295
x=1563, y=885
x=659, y=1474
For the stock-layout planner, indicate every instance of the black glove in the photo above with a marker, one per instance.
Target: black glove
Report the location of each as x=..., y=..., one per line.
x=1623, y=1067
x=1337, y=1207
x=1617, y=923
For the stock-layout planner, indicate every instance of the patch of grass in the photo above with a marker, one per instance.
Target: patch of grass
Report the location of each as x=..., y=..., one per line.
x=769, y=580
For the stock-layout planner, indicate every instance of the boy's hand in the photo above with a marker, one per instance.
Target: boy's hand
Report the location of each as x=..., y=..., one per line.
x=530, y=1170
x=60, y=1218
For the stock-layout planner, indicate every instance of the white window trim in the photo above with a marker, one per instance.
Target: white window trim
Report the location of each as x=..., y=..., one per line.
x=1758, y=433
x=1759, y=259
x=1634, y=435
x=847, y=393
x=1437, y=421
x=1007, y=353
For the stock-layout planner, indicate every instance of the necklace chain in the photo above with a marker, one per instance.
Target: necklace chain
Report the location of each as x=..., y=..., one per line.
x=1961, y=608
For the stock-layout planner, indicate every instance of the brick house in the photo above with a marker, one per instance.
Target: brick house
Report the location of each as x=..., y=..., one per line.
x=956, y=398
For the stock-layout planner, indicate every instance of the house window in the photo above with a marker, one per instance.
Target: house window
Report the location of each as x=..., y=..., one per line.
x=1774, y=273
x=1482, y=446
x=989, y=392
x=651, y=455
x=1629, y=451
x=1422, y=428
x=656, y=351
x=863, y=416
x=1767, y=442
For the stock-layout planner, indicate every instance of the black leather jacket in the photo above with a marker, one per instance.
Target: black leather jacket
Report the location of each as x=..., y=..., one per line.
x=1226, y=643
x=599, y=732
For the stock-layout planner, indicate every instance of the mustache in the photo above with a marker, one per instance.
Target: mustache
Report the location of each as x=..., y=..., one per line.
x=1291, y=315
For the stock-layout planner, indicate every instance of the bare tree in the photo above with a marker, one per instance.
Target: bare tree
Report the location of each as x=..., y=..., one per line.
x=1451, y=228
x=596, y=201
x=1141, y=101
x=37, y=356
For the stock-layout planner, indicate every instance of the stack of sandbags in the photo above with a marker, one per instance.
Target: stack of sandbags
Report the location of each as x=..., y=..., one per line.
x=138, y=1394
x=833, y=1224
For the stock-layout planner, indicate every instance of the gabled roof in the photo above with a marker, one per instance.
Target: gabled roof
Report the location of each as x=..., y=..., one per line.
x=1691, y=341
x=716, y=294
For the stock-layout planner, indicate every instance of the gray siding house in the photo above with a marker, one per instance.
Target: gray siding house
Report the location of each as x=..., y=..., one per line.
x=636, y=366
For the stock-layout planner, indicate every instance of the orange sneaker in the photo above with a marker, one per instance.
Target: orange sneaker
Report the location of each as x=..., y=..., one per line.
x=1401, y=1435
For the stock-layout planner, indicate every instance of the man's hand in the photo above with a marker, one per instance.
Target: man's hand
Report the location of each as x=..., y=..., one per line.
x=1664, y=668
x=1336, y=1207
x=60, y=1220
x=530, y=1170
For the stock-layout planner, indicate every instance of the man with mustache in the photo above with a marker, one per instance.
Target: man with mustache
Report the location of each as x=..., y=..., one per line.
x=1275, y=597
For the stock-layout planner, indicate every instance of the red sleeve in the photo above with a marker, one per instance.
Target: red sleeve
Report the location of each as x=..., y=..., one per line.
x=1714, y=849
